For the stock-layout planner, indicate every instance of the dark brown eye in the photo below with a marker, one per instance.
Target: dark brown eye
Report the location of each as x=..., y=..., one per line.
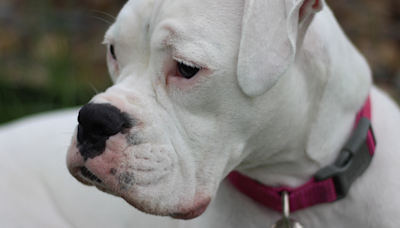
x=187, y=71
x=113, y=52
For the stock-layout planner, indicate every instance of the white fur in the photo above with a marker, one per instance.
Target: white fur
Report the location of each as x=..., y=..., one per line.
x=36, y=190
x=276, y=125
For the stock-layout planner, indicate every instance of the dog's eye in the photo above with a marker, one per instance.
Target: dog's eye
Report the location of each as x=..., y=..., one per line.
x=112, y=51
x=187, y=71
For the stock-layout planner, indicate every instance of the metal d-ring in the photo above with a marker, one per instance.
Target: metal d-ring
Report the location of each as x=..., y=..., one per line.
x=286, y=221
x=286, y=208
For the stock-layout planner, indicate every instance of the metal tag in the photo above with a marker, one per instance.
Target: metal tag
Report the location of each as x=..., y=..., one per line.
x=286, y=221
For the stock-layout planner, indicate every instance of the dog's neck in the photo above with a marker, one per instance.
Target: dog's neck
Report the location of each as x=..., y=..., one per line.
x=334, y=89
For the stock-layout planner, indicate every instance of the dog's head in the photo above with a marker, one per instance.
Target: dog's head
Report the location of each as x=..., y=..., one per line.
x=186, y=107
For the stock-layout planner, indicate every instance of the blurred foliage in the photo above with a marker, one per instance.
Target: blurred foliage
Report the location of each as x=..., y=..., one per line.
x=51, y=55
x=374, y=27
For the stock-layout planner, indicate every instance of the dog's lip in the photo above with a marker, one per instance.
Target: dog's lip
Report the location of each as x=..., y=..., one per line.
x=88, y=174
x=99, y=186
x=192, y=214
x=83, y=180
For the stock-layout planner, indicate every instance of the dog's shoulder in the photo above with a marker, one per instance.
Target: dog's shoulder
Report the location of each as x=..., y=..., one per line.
x=385, y=121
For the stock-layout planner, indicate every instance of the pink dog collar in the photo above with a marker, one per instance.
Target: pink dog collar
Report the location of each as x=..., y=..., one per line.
x=330, y=183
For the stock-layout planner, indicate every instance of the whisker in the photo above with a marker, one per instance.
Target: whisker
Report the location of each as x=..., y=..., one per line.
x=101, y=19
x=94, y=88
x=63, y=148
x=104, y=14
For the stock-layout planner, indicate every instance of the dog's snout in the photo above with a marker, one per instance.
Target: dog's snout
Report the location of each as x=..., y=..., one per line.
x=102, y=119
x=97, y=122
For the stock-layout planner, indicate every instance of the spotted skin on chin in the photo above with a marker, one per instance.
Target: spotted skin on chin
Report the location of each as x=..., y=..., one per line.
x=126, y=180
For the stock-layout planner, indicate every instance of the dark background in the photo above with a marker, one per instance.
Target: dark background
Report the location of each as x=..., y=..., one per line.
x=51, y=55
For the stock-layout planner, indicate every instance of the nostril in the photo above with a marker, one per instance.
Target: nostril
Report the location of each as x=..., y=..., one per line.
x=86, y=173
x=98, y=129
x=102, y=120
x=97, y=122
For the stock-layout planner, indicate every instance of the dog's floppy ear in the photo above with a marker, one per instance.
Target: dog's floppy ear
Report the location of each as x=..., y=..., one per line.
x=268, y=43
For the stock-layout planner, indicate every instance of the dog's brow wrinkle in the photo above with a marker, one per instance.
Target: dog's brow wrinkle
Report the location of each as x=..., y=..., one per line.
x=147, y=28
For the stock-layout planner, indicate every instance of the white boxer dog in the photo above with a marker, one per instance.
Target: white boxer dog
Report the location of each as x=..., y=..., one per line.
x=268, y=88
x=271, y=89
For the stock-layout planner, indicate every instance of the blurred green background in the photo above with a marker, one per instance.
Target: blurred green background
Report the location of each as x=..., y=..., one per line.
x=51, y=55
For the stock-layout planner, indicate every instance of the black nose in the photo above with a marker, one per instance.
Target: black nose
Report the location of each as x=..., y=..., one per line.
x=97, y=122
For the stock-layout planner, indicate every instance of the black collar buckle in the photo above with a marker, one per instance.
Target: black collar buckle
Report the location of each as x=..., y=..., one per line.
x=352, y=161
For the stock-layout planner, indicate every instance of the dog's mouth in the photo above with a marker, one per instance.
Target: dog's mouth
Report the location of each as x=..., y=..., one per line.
x=89, y=175
x=88, y=178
